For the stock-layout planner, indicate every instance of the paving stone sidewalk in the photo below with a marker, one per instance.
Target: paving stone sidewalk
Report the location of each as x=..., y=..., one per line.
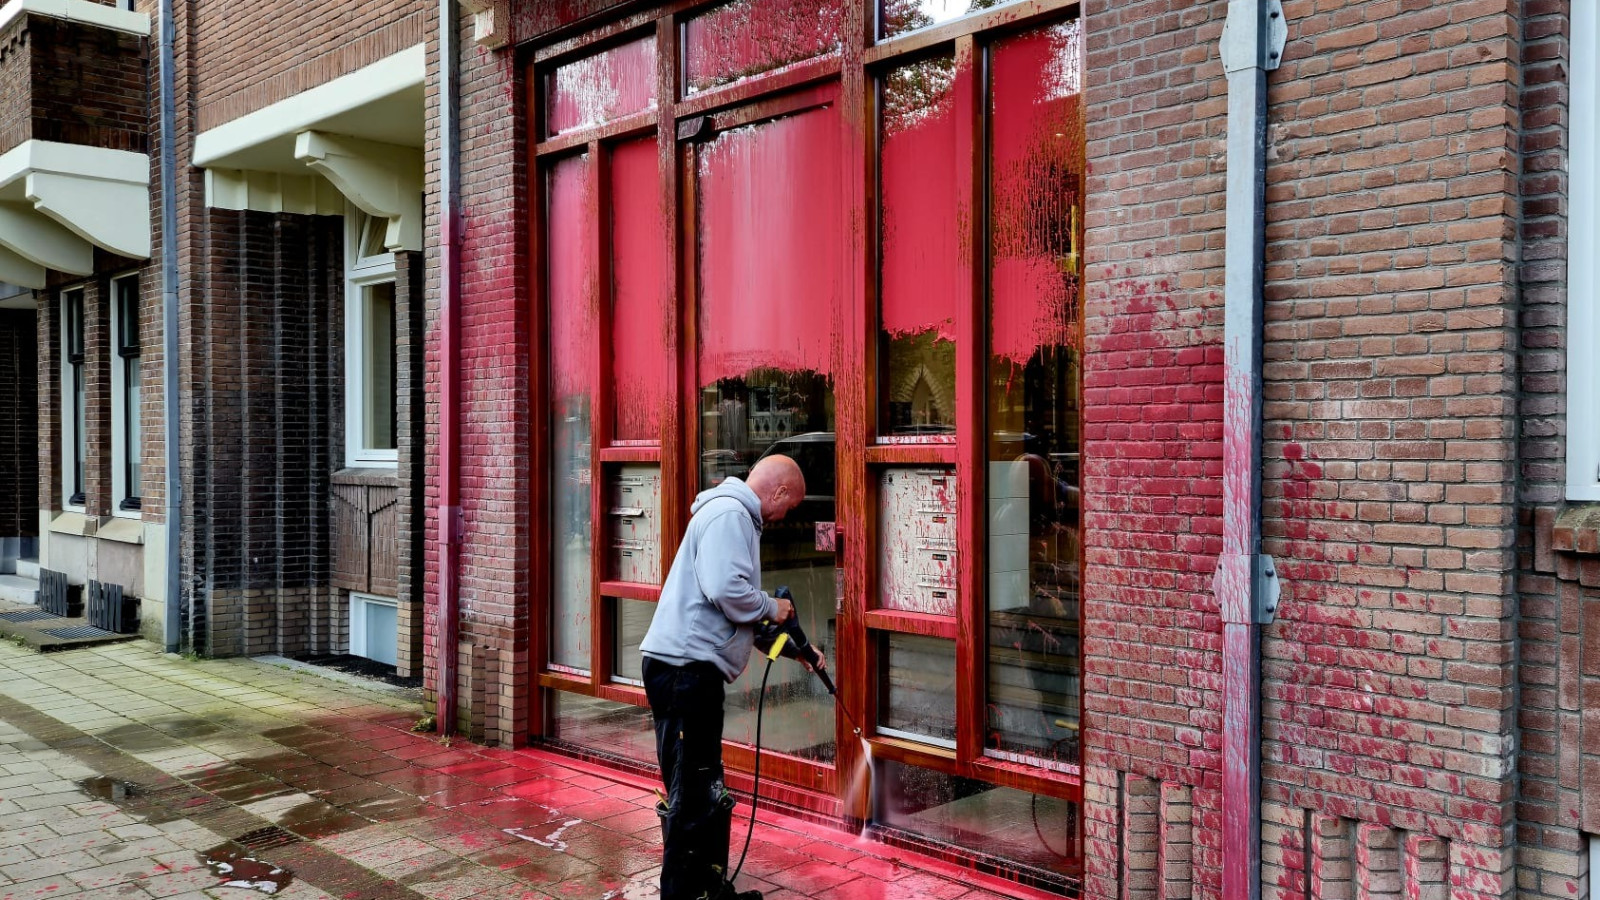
x=125, y=772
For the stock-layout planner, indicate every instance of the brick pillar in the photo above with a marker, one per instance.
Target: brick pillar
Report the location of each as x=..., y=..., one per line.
x=1141, y=801
x=1175, y=854
x=1427, y=868
x=1332, y=859
x=97, y=358
x=1102, y=832
x=49, y=380
x=1377, y=862
x=410, y=377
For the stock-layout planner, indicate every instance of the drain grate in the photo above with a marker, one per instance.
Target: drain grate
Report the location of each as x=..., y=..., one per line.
x=265, y=838
x=27, y=615
x=77, y=631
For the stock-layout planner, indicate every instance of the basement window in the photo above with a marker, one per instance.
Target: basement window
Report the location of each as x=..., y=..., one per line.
x=1583, y=236
x=374, y=628
x=74, y=433
x=370, y=333
x=126, y=393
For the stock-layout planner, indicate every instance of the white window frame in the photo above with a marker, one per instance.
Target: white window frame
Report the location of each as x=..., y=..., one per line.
x=361, y=272
x=119, y=402
x=359, y=603
x=1583, y=247
x=68, y=408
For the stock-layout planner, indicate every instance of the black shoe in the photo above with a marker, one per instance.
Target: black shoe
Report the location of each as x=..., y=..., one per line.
x=728, y=893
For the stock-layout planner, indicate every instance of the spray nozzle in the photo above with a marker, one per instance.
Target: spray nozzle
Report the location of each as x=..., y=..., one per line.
x=787, y=638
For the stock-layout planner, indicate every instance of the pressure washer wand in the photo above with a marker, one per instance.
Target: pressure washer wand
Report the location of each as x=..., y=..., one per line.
x=791, y=633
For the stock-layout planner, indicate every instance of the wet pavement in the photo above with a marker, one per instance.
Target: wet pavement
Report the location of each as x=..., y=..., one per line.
x=125, y=772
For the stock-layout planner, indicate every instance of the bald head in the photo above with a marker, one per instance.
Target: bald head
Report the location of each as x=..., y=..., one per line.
x=780, y=485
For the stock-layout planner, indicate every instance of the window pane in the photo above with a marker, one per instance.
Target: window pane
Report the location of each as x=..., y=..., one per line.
x=920, y=281
x=378, y=380
x=602, y=726
x=596, y=89
x=383, y=629
x=135, y=427
x=917, y=688
x=572, y=275
x=771, y=276
x=80, y=430
x=1034, y=392
x=901, y=16
x=748, y=37
x=1001, y=824
x=642, y=313
x=632, y=620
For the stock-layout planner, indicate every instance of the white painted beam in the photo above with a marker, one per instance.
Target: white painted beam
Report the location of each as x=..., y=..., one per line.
x=383, y=180
x=43, y=241
x=19, y=271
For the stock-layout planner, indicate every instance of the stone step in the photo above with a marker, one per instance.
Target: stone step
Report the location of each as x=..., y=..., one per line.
x=28, y=568
x=18, y=589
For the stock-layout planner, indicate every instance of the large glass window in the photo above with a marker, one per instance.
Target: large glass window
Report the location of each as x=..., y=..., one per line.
x=770, y=209
x=1583, y=252
x=74, y=428
x=736, y=40
x=644, y=371
x=126, y=424
x=596, y=89
x=572, y=274
x=920, y=280
x=1034, y=390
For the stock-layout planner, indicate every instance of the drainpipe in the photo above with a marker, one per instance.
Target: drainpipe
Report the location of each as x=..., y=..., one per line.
x=169, y=329
x=449, y=512
x=1246, y=582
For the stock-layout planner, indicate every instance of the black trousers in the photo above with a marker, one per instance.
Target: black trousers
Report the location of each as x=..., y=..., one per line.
x=697, y=816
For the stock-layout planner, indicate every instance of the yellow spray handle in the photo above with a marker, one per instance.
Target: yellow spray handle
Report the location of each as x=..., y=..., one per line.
x=777, y=645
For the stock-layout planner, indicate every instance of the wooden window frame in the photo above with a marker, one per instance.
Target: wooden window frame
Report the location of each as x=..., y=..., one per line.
x=853, y=74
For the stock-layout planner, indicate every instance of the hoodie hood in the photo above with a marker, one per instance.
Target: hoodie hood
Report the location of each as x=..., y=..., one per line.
x=738, y=490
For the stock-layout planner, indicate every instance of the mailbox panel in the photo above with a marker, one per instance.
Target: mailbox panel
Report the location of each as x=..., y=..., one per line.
x=633, y=523
x=917, y=556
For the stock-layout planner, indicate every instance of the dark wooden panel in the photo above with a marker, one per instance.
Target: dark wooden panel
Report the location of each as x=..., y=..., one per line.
x=350, y=537
x=383, y=519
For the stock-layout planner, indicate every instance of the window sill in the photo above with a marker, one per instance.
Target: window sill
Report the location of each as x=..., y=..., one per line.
x=369, y=474
x=122, y=530
x=74, y=523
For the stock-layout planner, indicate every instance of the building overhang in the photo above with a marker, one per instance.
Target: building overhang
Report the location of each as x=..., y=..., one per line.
x=60, y=201
x=81, y=11
x=357, y=138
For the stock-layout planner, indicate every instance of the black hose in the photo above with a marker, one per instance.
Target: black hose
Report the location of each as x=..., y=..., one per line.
x=755, y=788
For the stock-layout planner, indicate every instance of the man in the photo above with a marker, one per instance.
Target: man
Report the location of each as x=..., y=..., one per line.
x=700, y=640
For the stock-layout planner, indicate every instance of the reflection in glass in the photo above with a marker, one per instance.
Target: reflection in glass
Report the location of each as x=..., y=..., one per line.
x=917, y=689
x=631, y=619
x=770, y=265
x=379, y=377
x=572, y=347
x=1029, y=831
x=72, y=339
x=597, y=89
x=1034, y=389
x=603, y=726
x=919, y=281
x=747, y=37
x=902, y=16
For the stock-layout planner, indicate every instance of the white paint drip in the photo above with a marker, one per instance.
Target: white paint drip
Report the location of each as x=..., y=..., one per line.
x=552, y=840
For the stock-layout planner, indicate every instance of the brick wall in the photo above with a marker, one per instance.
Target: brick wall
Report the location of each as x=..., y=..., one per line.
x=410, y=300
x=253, y=55
x=1390, y=439
x=494, y=336
x=19, y=423
x=1156, y=115
x=71, y=82
x=48, y=322
x=268, y=433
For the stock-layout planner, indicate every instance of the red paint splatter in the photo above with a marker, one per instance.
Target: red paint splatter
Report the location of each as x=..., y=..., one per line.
x=771, y=220
x=572, y=277
x=747, y=37
x=608, y=85
x=641, y=320
x=920, y=253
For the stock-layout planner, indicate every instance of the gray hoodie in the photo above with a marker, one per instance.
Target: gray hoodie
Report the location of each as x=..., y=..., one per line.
x=713, y=592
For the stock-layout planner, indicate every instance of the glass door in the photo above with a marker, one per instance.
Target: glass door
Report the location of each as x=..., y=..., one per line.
x=768, y=258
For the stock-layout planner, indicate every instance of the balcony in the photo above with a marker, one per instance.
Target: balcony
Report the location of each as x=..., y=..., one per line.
x=74, y=134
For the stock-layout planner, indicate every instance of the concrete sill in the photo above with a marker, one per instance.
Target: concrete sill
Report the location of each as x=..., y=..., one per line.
x=74, y=523
x=373, y=477
x=127, y=531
